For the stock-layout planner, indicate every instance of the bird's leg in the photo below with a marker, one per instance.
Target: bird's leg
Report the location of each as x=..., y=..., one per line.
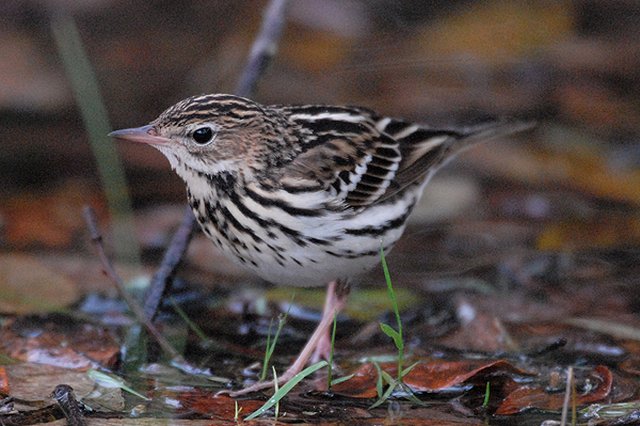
x=336, y=300
x=319, y=344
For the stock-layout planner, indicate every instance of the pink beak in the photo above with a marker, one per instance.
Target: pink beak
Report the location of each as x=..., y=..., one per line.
x=145, y=134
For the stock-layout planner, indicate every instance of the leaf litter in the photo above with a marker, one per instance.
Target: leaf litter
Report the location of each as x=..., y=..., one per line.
x=539, y=273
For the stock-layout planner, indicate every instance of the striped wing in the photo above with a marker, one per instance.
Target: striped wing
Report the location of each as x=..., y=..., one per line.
x=358, y=157
x=423, y=150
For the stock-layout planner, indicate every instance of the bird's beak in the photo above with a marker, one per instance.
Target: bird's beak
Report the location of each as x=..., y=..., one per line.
x=144, y=134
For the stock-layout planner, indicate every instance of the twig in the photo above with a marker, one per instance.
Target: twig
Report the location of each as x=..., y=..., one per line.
x=138, y=312
x=567, y=397
x=71, y=408
x=173, y=256
x=263, y=49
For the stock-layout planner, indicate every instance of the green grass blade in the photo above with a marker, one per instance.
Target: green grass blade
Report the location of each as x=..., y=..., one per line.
x=267, y=353
x=379, y=386
x=94, y=115
x=487, y=394
x=333, y=342
x=398, y=339
x=192, y=325
x=271, y=342
x=387, y=378
x=409, y=368
x=385, y=396
x=389, y=331
x=342, y=379
x=275, y=387
x=409, y=395
x=286, y=388
x=112, y=381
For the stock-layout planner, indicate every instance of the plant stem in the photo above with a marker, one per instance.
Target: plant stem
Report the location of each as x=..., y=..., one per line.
x=396, y=311
x=94, y=115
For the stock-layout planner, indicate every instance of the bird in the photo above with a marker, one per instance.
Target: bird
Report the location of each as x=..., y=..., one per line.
x=303, y=195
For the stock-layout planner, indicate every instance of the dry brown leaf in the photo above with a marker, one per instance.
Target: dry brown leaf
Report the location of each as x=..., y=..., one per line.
x=524, y=397
x=4, y=382
x=27, y=286
x=34, y=382
x=427, y=376
x=60, y=341
x=50, y=218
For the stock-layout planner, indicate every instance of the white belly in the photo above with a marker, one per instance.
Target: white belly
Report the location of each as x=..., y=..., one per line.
x=300, y=249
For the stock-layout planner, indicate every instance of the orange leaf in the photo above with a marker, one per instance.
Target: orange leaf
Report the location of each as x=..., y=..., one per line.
x=428, y=376
x=4, y=382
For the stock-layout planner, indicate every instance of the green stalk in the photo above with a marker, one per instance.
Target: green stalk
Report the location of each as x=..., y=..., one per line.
x=333, y=343
x=397, y=336
x=94, y=115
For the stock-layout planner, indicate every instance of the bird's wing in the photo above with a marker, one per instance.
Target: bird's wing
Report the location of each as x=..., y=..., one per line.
x=361, y=158
x=425, y=149
x=341, y=151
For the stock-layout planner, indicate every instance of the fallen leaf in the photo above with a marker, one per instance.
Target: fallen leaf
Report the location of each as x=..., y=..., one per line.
x=205, y=402
x=49, y=218
x=525, y=397
x=427, y=376
x=4, y=382
x=480, y=330
x=34, y=382
x=27, y=286
x=60, y=341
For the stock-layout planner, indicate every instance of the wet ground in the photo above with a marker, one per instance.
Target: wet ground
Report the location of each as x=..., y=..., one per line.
x=517, y=280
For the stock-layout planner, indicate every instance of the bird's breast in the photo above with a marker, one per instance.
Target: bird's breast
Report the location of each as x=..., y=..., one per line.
x=295, y=239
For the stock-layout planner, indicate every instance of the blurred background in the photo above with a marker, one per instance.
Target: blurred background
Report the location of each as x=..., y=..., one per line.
x=574, y=66
x=526, y=233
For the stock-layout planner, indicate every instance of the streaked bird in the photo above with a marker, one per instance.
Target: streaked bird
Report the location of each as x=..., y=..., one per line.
x=302, y=195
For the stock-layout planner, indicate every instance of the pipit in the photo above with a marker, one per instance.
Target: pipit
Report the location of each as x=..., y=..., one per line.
x=302, y=195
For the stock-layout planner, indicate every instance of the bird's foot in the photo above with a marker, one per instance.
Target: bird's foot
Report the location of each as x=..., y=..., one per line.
x=260, y=386
x=318, y=346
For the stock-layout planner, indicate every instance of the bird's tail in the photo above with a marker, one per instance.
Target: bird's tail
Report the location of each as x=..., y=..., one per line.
x=425, y=149
x=487, y=131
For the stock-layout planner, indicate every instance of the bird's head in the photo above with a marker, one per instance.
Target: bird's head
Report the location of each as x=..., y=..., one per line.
x=209, y=134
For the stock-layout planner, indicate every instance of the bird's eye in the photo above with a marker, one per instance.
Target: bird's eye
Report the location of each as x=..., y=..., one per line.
x=202, y=135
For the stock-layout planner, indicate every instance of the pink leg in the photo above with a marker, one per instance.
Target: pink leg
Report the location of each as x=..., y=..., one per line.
x=318, y=345
x=333, y=304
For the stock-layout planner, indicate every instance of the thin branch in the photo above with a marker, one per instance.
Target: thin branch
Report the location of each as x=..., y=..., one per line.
x=263, y=49
x=567, y=397
x=71, y=408
x=172, y=259
x=96, y=238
